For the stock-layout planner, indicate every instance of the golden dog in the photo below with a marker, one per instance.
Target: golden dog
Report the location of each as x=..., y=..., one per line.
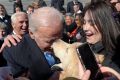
x=67, y=53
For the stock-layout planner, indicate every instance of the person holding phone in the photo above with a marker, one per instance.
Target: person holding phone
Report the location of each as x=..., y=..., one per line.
x=101, y=32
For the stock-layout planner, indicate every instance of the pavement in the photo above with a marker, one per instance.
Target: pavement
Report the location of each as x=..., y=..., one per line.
x=9, y=4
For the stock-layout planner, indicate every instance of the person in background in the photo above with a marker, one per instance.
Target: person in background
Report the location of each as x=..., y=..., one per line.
x=71, y=4
x=79, y=33
x=3, y=33
x=36, y=4
x=69, y=27
x=76, y=9
x=58, y=4
x=42, y=3
x=5, y=18
x=16, y=4
x=30, y=9
x=102, y=33
x=20, y=23
x=17, y=9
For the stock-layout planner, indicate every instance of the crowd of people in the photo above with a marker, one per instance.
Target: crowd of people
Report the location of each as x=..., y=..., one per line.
x=27, y=35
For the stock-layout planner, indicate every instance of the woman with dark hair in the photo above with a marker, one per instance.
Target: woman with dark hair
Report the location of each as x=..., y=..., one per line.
x=17, y=3
x=5, y=18
x=101, y=32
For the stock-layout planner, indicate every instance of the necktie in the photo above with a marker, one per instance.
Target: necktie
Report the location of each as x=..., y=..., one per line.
x=49, y=58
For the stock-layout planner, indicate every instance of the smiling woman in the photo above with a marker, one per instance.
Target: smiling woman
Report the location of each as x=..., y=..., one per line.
x=101, y=31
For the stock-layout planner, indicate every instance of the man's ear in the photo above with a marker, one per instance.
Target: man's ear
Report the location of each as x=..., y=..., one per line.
x=12, y=25
x=31, y=34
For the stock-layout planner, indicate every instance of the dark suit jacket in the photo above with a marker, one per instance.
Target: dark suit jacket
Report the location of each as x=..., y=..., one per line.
x=58, y=4
x=7, y=20
x=27, y=56
x=70, y=6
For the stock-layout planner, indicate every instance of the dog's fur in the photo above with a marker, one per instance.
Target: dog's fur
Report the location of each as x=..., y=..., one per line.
x=67, y=53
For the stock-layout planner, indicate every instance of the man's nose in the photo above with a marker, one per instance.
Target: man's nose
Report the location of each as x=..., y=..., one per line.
x=25, y=24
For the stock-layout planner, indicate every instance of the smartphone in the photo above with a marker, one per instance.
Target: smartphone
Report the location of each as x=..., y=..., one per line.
x=88, y=59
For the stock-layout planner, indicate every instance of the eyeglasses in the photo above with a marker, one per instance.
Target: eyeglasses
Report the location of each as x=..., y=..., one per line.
x=114, y=3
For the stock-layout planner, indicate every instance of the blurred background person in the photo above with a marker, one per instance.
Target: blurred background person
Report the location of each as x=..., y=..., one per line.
x=30, y=9
x=5, y=18
x=71, y=4
x=58, y=4
x=3, y=33
x=42, y=3
x=17, y=9
x=69, y=27
x=79, y=33
x=76, y=9
x=36, y=4
x=16, y=4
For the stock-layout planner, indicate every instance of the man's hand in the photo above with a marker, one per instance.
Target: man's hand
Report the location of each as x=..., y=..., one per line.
x=10, y=39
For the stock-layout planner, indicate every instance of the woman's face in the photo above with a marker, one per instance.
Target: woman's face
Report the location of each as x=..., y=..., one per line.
x=77, y=21
x=93, y=35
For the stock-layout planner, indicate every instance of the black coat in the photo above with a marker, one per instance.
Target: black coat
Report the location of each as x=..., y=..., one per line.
x=70, y=6
x=98, y=48
x=42, y=3
x=58, y=4
x=27, y=56
x=7, y=20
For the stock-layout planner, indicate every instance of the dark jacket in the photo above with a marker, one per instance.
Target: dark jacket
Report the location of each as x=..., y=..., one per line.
x=42, y=3
x=27, y=56
x=70, y=7
x=7, y=20
x=58, y=4
x=98, y=48
x=17, y=5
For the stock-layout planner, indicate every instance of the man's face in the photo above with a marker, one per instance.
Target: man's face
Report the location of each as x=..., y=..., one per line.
x=20, y=26
x=45, y=36
x=68, y=20
x=92, y=33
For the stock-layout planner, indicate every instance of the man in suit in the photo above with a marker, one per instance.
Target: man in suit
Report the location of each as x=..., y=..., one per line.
x=71, y=4
x=5, y=18
x=20, y=23
x=58, y=4
x=27, y=56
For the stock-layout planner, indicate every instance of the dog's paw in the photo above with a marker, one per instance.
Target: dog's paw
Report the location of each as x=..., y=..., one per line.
x=57, y=67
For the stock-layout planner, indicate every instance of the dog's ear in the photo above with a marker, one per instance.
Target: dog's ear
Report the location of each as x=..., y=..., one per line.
x=76, y=44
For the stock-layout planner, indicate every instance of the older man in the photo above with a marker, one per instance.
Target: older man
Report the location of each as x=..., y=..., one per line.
x=28, y=55
x=20, y=23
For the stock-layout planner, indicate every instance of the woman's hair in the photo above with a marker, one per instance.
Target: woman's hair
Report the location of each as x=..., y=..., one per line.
x=101, y=14
x=3, y=8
